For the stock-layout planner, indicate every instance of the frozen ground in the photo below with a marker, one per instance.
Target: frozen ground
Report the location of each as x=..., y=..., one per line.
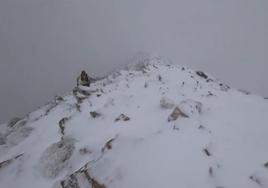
x=178, y=130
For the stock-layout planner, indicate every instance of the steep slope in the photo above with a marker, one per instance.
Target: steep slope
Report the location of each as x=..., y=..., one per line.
x=152, y=124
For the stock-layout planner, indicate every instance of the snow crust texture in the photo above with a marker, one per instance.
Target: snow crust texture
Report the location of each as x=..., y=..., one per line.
x=151, y=124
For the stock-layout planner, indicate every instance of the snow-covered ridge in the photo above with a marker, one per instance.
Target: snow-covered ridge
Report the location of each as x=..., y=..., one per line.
x=143, y=60
x=150, y=124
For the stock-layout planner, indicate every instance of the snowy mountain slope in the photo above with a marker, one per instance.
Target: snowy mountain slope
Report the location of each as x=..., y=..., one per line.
x=218, y=139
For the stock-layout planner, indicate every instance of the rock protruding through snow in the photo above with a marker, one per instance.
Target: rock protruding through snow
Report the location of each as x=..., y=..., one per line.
x=13, y=121
x=9, y=161
x=122, y=117
x=187, y=108
x=19, y=135
x=201, y=74
x=3, y=139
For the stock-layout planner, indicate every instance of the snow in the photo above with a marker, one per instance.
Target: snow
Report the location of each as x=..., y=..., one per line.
x=222, y=142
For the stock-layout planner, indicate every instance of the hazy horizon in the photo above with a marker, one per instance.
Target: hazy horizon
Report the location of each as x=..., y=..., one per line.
x=46, y=43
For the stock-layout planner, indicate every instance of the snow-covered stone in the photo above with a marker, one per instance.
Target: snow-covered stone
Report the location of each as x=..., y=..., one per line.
x=224, y=87
x=167, y=103
x=187, y=108
x=55, y=158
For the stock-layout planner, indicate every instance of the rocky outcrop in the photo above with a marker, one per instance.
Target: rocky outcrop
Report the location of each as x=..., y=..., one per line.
x=56, y=157
x=79, y=179
x=13, y=121
x=167, y=103
x=83, y=92
x=19, y=135
x=108, y=145
x=62, y=123
x=49, y=108
x=9, y=161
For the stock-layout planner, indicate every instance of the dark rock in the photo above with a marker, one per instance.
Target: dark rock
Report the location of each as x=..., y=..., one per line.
x=122, y=117
x=95, y=114
x=203, y=75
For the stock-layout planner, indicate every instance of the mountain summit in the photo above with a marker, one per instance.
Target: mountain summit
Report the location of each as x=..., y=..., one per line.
x=150, y=124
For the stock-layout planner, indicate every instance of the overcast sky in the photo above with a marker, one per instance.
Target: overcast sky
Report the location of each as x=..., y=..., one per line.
x=44, y=44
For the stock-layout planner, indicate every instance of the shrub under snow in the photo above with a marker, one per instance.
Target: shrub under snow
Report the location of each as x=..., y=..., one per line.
x=55, y=158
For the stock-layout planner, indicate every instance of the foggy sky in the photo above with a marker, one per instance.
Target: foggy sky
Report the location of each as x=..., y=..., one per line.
x=44, y=44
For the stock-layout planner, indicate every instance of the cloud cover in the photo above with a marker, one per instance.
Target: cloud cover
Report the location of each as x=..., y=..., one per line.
x=46, y=43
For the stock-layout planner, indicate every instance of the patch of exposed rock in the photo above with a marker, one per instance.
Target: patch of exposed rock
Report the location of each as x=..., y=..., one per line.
x=94, y=114
x=107, y=146
x=122, y=117
x=84, y=151
x=62, y=123
x=80, y=179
